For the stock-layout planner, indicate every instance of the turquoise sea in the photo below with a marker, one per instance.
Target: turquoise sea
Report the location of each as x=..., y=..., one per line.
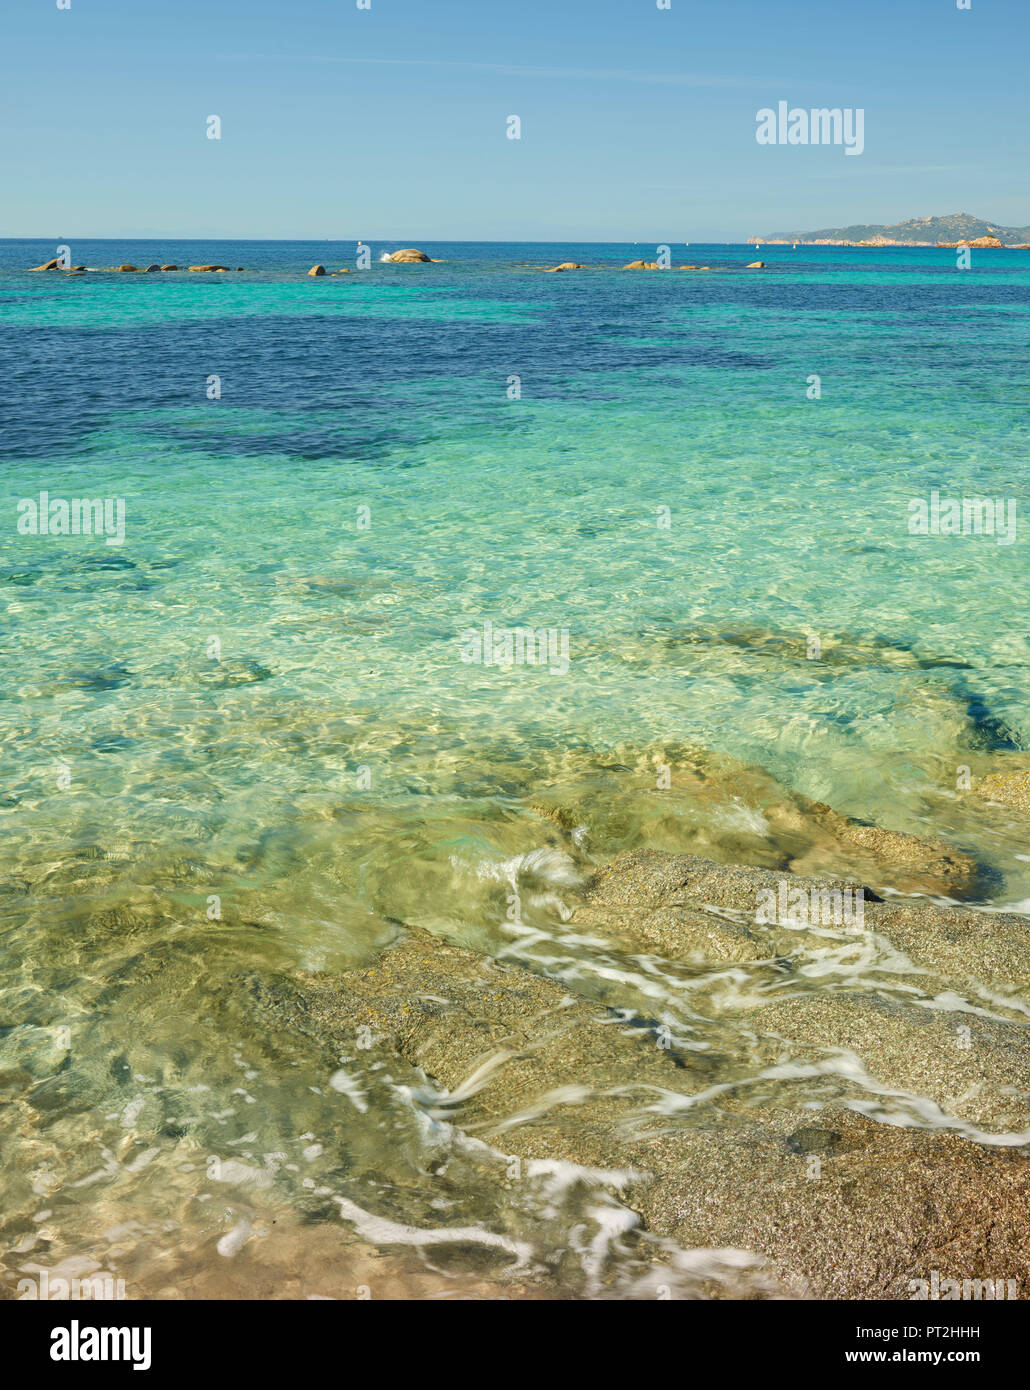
x=248, y=737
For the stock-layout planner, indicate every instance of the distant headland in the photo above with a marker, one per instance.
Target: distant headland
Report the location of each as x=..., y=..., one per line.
x=957, y=229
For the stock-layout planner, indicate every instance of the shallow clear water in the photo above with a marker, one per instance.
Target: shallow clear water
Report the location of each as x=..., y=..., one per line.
x=257, y=705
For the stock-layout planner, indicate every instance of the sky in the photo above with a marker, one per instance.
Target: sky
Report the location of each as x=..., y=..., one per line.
x=390, y=122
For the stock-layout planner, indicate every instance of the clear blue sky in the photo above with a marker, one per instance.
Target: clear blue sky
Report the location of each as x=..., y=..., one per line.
x=638, y=124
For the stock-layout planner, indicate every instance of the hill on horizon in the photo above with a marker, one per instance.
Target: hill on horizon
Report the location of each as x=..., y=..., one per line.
x=958, y=226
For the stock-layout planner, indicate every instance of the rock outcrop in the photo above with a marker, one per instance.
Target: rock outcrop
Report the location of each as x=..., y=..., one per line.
x=641, y=265
x=980, y=243
x=565, y=265
x=408, y=255
x=50, y=265
x=208, y=267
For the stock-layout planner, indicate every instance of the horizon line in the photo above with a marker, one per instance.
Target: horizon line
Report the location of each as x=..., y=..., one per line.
x=453, y=241
x=387, y=243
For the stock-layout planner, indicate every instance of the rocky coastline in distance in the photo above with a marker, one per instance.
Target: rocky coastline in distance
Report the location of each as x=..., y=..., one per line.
x=956, y=230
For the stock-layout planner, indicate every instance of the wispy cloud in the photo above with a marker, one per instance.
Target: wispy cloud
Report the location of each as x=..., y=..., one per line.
x=672, y=79
x=916, y=168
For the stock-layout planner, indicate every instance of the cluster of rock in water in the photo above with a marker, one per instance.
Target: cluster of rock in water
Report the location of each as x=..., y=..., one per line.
x=56, y=265
x=406, y=256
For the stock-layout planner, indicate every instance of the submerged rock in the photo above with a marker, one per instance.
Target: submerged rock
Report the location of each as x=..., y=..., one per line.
x=227, y=672
x=110, y=677
x=924, y=858
x=953, y=678
x=719, y=807
x=565, y=265
x=106, y=562
x=1011, y=789
x=38, y=1051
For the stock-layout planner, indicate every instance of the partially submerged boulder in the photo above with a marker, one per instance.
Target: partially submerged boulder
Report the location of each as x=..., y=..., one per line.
x=407, y=255
x=317, y=270
x=930, y=864
x=641, y=265
x=50, y=265
x=755, y=265
x=169, y=267
x=565, y=265
x=208, y=267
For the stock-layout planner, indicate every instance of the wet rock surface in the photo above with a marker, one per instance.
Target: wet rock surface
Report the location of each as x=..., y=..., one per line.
x=850, y=1140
